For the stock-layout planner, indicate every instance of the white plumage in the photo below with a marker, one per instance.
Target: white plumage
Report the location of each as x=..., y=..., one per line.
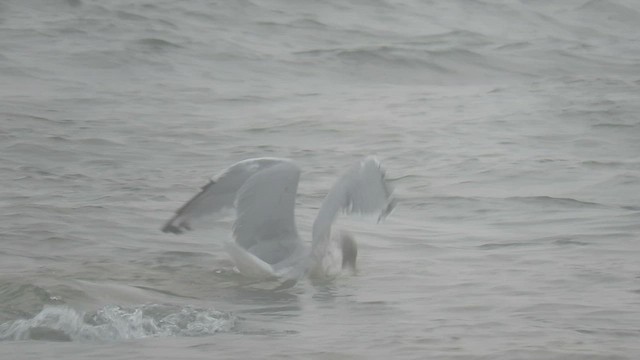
x=266, y=244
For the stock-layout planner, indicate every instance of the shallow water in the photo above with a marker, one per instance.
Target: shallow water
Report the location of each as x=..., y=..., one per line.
x=509, y=129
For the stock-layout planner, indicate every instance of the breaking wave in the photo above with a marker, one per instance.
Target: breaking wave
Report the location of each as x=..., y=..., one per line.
x=63, y=323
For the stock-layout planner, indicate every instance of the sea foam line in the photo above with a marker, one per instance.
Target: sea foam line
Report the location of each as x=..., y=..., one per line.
x=112, y=322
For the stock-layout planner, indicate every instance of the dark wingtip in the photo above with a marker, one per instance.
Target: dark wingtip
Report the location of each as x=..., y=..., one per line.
x=171, y=227
x=387, y=210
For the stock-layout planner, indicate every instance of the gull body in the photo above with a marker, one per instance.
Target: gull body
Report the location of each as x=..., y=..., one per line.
x=265, y=242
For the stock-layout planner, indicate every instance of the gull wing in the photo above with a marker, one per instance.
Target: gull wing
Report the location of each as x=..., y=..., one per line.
x=220, y=193
x=363, y=189
x=265, y=206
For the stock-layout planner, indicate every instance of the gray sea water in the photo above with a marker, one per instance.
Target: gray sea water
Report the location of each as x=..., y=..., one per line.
x=510, y=130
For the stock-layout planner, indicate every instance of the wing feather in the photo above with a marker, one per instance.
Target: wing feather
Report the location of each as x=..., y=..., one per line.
x=219, y=194
x=265, y=207
x=363, y=189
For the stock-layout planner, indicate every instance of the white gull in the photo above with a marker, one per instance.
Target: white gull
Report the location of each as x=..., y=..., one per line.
x=266, y=244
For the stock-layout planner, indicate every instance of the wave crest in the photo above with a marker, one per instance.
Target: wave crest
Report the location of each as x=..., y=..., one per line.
x=63, y=323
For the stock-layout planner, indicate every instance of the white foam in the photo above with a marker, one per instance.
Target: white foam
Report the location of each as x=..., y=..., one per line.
x=62, y=323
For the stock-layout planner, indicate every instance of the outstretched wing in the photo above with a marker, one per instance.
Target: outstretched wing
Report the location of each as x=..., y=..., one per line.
x=363, y=189
x=223, y=190
x=265, y=207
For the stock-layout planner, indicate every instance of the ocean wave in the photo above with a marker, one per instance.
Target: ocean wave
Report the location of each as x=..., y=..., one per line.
x=112, y=323
x=547, y=200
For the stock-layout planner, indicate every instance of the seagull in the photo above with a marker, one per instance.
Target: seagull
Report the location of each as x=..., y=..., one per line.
x=265, y=244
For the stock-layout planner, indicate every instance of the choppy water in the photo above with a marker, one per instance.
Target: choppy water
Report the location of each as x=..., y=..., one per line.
x=511, y=129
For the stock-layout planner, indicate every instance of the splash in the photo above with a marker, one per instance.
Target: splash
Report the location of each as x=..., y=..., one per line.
x=62, y=323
